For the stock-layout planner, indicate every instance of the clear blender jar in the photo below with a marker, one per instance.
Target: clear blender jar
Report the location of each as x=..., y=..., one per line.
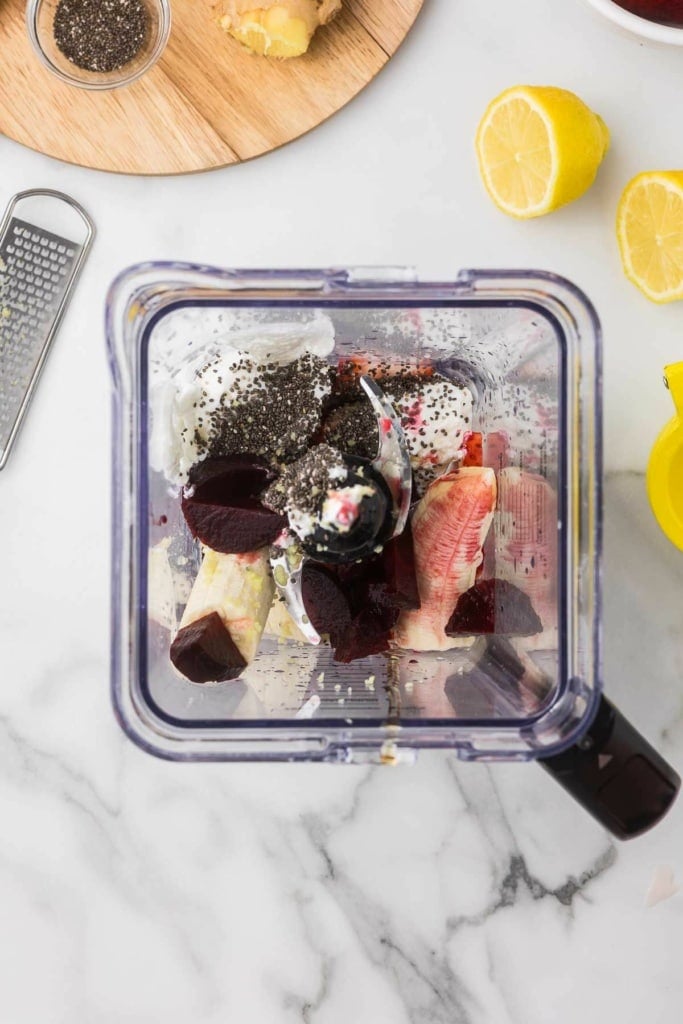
x=527, y=345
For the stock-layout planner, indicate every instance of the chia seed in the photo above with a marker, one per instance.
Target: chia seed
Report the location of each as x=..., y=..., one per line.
x=274, y=416
x=101, y=35
x=352, y=428
x=304, y=484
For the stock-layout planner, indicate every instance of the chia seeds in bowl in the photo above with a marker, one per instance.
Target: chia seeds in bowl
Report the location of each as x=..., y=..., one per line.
x=101, y=35
x=98, y=44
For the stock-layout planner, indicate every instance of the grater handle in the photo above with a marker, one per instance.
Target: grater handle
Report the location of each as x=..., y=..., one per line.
x=54, y=211
x=616, y=775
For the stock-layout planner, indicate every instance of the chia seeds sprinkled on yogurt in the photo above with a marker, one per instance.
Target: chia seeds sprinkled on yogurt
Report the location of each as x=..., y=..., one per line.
x=304, y=484
x=352, y=428
x=272, y=410
x=101, y=35
x=435, y=414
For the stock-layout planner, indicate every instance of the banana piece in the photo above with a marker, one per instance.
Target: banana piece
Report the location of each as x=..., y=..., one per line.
x=161, y=603
x=281, y=624
x=225, y=615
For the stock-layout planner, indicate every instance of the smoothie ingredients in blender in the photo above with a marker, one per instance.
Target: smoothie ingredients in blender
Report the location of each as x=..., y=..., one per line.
x=299, y=638
x=343, y=503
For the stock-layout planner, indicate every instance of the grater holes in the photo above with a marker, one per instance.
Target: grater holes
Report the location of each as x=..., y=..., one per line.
x=35, y=270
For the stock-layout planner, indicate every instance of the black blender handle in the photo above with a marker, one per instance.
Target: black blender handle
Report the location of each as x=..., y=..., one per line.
x=616, y=775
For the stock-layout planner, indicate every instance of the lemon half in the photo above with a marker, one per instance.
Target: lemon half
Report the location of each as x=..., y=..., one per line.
x=539, y=147
x=650, y=234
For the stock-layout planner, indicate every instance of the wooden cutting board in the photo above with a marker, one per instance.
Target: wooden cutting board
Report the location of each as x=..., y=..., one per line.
x=207, y=103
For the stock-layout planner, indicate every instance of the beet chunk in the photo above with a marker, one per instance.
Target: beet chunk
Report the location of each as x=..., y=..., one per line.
x=325, y=602
x=355, y=579
x=398, y=563
x=370, y=631
x=222, y=505
x=245, y=474
x=494, y=606
x=205, y=652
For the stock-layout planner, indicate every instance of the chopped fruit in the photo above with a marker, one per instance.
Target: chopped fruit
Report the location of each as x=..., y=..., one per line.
x=526, y=545
x=205, y=652
x=493, y=606
x=222, y=505
x=325, y=602
x=450, y=524
x=239, y=588
x=372, y=629
x=474, y=450
x=161, y=596
x=361, y=602
x=650, y=234
x=398, y=562
x=283, y=28
x=351, y=368
x=355, y=579
x=539, y=147
x=281, y=624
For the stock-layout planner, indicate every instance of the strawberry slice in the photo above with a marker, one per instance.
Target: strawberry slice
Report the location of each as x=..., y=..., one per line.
x=474, y=449
x=351, y=368
x=450, y=524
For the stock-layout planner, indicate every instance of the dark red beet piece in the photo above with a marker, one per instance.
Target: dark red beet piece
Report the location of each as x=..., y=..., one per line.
x=398, y=563
x=355, y=578
x=223, y=508
x=374, y=591
x=325, y=602
x=370, y=632
x=249, y=474
x=494, y=606
x=205, y=652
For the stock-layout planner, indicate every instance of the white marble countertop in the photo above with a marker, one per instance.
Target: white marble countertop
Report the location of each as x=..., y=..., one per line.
x=140, y=891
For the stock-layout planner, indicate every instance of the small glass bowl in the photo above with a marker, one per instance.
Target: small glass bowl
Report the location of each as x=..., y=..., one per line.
x=651, y=31
x=40, y=16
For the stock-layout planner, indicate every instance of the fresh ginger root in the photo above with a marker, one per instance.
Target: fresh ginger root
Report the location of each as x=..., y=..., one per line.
x=281, y=28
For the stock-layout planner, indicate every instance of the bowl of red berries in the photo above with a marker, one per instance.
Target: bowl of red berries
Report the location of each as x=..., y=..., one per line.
x=656, y=21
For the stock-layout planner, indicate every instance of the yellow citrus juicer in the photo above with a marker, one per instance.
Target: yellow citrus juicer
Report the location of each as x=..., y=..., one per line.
x=665, y=469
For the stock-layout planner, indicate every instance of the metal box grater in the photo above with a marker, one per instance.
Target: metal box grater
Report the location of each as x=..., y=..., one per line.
x=44, y=238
